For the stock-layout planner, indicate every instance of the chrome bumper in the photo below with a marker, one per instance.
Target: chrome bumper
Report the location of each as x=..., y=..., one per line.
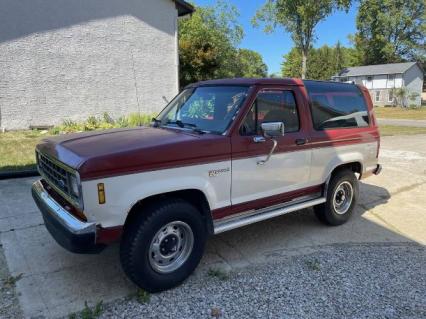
x=71, y=233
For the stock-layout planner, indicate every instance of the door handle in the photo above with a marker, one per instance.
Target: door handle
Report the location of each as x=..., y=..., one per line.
x=300, y=141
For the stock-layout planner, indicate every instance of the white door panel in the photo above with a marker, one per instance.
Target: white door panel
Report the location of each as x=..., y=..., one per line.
x=284, y=172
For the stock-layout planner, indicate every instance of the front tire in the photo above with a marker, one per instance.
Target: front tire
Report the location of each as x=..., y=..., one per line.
x=342, y=196
x=163, y=245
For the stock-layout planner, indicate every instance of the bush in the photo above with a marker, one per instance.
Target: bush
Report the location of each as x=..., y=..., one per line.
x=102, y=123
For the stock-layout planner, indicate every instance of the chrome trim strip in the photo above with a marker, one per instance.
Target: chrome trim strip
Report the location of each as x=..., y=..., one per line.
x=262, y=214
x=71, y=223
x=250, y=212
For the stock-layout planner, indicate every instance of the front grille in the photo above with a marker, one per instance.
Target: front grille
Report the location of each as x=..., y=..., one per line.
x=55, y=175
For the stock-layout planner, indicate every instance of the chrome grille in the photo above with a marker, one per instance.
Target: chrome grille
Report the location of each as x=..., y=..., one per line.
x=55, y=175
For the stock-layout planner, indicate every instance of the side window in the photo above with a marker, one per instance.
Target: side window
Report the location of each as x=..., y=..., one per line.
x=337, y=105
x=272, y=106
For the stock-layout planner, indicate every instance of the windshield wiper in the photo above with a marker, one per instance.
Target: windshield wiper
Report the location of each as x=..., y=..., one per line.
x=183, y=124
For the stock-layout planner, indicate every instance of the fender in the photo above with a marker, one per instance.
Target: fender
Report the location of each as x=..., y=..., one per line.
x=123, y=192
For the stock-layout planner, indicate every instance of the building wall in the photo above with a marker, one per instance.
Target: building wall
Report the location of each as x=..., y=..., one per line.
x=69, y=59
x=378, y=81
x=381, y=86
x=413, y=81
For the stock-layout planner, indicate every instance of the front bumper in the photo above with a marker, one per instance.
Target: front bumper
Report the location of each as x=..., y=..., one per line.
x=71, y=233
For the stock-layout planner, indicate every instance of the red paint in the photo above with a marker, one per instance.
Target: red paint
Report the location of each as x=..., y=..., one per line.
x=264, y=202
x=125, y=151
x=108, y=235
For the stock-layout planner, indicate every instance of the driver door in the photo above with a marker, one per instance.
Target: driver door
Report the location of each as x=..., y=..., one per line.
x=288, y=168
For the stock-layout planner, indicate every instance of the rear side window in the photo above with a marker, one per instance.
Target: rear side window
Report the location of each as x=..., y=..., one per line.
x=336, y=105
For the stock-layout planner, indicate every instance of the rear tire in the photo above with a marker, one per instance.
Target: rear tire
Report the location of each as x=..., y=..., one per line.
x=163, y=245
x=342, y=196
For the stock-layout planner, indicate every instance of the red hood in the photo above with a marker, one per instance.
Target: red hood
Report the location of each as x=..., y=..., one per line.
x=124, y=151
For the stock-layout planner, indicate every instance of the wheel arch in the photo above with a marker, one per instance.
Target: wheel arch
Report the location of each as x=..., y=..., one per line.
x=194, y=196
x=354, y=166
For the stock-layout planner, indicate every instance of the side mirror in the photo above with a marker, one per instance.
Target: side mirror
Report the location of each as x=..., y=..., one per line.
x=273, y=129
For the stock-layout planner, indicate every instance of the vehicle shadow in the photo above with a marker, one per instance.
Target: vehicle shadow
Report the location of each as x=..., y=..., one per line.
x=300, y=232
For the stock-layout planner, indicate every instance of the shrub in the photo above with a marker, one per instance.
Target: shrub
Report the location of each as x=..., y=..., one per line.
x=102, y=123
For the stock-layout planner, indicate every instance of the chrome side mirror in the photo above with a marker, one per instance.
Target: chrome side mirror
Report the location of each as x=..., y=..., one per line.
x=271, y=129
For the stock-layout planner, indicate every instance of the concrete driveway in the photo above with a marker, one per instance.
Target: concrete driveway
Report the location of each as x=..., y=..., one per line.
x=54, y=283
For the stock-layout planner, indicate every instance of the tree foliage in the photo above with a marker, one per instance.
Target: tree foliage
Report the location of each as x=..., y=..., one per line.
x=208, y=43
x=390, y=31
x=249, y=64
x=323, y=63
x=299, y=18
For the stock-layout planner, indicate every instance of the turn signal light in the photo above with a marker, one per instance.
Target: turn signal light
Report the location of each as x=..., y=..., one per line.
x=101, y=193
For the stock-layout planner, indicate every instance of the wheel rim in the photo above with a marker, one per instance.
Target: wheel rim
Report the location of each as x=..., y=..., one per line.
x=342, y=198
x=171, y=247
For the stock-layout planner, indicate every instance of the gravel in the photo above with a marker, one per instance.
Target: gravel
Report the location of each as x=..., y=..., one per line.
x=339, y=281
x=9, y=305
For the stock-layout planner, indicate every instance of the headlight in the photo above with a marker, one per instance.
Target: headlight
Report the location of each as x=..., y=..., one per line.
x=75, y=187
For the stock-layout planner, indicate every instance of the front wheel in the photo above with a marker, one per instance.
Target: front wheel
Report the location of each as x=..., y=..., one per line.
x=163, y=245
x=342, y=195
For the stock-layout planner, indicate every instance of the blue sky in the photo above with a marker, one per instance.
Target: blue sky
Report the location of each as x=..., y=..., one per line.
x=274, y=46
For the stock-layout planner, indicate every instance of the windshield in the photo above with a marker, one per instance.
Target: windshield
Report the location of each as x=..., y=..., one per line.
x=209, y=109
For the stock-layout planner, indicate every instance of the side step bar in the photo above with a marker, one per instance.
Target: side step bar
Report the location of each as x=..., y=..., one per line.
x=221, y=226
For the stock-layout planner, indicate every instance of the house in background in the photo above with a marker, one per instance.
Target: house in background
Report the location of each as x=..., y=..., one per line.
x=69, y=59
x=382, y=80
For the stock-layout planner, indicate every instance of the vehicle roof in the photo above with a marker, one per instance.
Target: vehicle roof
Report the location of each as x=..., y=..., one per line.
x=262, y=81
x=250, y=82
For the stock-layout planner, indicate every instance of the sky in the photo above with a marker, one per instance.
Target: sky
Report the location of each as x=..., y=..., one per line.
x=273, y=46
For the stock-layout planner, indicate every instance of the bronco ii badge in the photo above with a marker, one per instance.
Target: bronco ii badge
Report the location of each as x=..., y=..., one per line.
x=215, y=172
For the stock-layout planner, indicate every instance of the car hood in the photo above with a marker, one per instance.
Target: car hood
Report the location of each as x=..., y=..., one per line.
x=125, y=151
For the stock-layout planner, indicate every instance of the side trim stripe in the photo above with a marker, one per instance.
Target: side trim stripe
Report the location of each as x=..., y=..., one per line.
x=263, y=214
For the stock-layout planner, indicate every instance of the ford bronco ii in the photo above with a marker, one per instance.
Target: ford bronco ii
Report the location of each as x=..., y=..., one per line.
x=223, y=154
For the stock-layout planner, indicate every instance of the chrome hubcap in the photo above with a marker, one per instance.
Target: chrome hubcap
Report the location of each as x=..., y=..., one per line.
x=171, y=247
x=342, y=198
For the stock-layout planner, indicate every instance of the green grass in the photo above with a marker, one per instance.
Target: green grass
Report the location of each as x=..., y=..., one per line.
x=401, y=113
x=218, y=273
x=390, y=130
x=88, y=312
x=17, y=150
x=17, y=147
x=142, y=296
x=313, y=264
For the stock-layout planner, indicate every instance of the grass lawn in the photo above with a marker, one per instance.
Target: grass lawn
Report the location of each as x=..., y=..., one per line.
x=17, y=150
x=389, y=130
x=400, y=113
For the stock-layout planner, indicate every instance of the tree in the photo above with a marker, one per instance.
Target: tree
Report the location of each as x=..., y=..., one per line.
x=299, y=18
x=208, y=46
x=207, y=43
x=249, y=64
x=390, y=31
x=324, y=62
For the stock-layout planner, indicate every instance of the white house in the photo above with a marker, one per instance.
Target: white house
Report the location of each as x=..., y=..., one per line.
x=69, y=59
x=382, y=80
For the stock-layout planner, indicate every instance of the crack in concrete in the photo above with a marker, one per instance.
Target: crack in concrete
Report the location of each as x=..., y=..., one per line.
x=22, y=228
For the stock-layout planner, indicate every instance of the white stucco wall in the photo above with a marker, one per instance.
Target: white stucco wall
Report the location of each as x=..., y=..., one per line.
x=69, y=59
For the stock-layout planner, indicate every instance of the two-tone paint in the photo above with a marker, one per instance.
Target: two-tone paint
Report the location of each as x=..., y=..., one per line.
x=135, y=164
